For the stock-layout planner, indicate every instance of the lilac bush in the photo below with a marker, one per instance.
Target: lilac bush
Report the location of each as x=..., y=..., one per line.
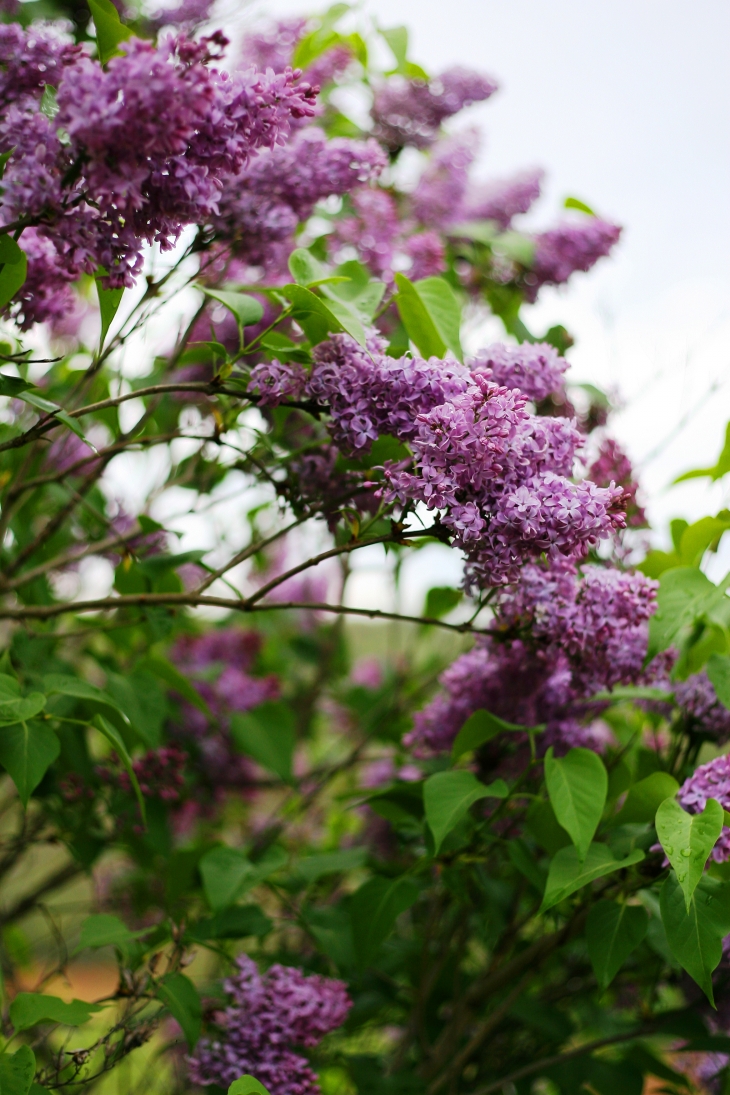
x=335, y=849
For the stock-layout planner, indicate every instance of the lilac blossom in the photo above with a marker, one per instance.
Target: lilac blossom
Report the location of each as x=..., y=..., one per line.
x=427, y=254
x=46, y=294
x=613, y=465
x=535, y=368
x=272, y=45
x=264, y=204
x=187, y=14
x=501, y=200
x=266, y=1016
x=373, y=229
x=703, y=710
x=439, y=194
x=31, y=59
x=561, y=251
x=711, y=780
x=410, y=112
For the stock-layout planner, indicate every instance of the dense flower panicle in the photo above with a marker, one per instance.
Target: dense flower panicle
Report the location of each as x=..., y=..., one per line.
x=264, y=204
x=501, y=200
x=373, y=230
x=561, y=251
x=427, y=254
x=613, y=465
x=46, y=294
x=272, y=45
x=266, y=1016
x=711, y=780
x=698, y=700
x=439, y=194
x=367, y=393
x=410, y=112
x=31, y=59
x=535, y=368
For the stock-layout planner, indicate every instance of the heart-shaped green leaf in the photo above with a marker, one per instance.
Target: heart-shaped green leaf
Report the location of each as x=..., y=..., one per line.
x=613, y=931
x=688, y=840
x=568, y=873
x=448, y=795
x=695, y=932
x=577, y=785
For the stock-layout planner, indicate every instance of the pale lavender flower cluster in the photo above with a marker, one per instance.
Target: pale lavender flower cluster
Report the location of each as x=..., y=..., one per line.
x=373, y=230
x=535, y=368
x=267, y=1015
x=698, y=700
x=46, y=294
x=427, y=254
x=263, y=205
x=218, y=664
x=439, y=194
x=410, y=112
x=272, y=46
x=29, y=60
x=588, y=633
x=367, y=393
x=569, y=247
x=187, y=14
x=501, y=200
x=711, y=780
x=137, y=150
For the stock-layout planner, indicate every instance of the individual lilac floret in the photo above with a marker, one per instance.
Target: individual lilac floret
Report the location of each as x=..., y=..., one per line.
x=502, y=199
x=612, y=465
x=711, y=780
x=561, y=251
x=266, y=1016
x=702, y=709
x=410, y=112
x=535, y=368
x=31, y=59
x=438, y=196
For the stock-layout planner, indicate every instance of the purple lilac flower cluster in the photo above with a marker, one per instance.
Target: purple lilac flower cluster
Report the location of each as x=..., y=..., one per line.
x=219, y=664
x=411, y=112
x=711, y=780
x=272, y=46
x=501, y=200
x=187, y=14
x=587, y=633
x=267, y=1015
x=698, y=700
x=563, y=250
x=535, y=368
x=500, y=473
x=160, y=773
x=29, y=60
x=136, y=151
x=262, y=206
x=612, y=465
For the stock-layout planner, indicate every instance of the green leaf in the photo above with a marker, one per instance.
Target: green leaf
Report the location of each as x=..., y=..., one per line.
x=645, y=797
x=685, y=595
x=688, y=839
x=49, y=102
x=110, y=31
x=374, y=909
x=17, y=1071
x=65, y=685
x=178, y=993
x=267, y=733
x=27, y=750
x=440, y=600
x=167, y=672
x=347, y=316
x=447, y=797
x=30, y=1008
x=431, y=315
x=105, y=930
x=311, y=313
x=568, y=873
x=236, y=922
x=109, y=301
x=613, y=931
x=21, y=708
x=224, y=871
x=718, y=670
x=480, y=727
x=305, y=268
x=113, y=736
x=516, y=247
x=397, y=39
x=312, y=867
x=576, y=203
x=247, y=1085
x=245, y=308
x=721, y=468
x=13, y=270
x=4, y=157
x=698, y=537
x=12, y=386
x=695, y=934
x=577, y=785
